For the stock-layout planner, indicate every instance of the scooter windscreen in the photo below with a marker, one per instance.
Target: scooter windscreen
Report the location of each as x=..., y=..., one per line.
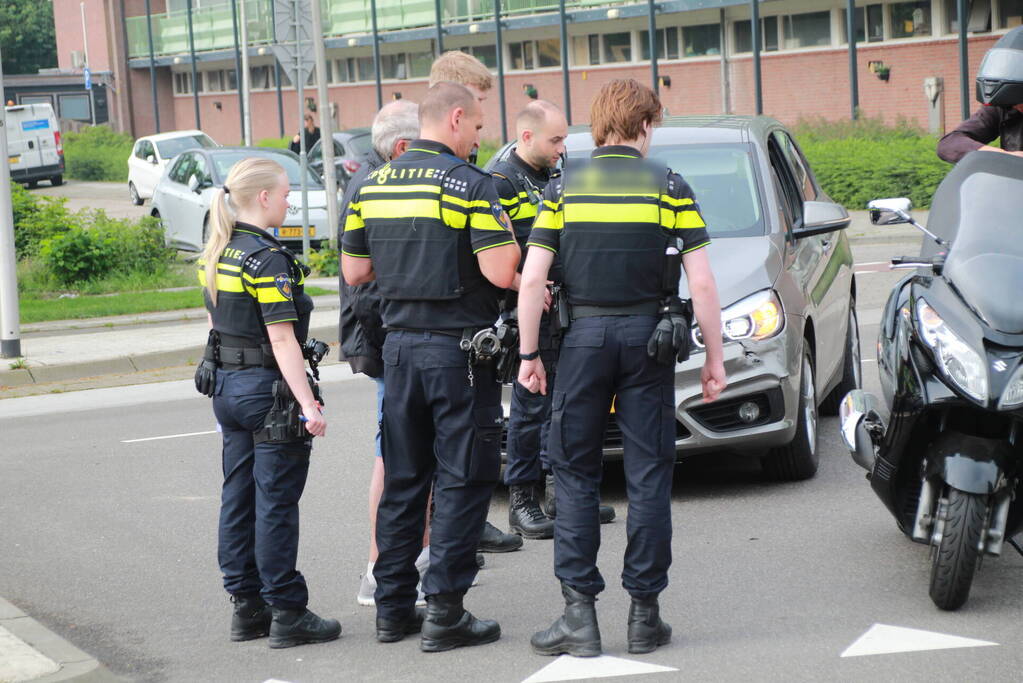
x=978, y=208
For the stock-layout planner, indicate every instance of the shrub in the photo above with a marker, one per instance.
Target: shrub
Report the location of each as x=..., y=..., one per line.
x=35, y=219
x=488, y=148
x=78, y=255
x=324, y=262
x=97, y=153
x=277, y=143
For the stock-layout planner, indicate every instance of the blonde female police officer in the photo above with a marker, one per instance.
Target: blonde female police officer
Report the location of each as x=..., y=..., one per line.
x=259, y=317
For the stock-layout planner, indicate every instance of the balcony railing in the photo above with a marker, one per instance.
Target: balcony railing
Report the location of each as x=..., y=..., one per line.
x=213, y=27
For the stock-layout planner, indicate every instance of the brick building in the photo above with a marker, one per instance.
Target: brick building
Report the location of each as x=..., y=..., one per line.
x=703, y=46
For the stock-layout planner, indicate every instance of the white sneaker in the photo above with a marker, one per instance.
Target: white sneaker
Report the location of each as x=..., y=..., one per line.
x=368, y=587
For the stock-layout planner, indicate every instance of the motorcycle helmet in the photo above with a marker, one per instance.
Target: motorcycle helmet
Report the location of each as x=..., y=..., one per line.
x=1000, y=79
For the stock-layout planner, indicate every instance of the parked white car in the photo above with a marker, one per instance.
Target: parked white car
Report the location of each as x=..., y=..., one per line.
x=183, y=196
x=34, y=151
x=151, y=154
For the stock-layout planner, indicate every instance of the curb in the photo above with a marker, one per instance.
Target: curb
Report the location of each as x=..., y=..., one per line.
x=75, y=665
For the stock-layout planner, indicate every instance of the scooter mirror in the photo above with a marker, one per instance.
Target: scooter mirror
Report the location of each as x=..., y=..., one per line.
x=890, y=211
x=860, y=422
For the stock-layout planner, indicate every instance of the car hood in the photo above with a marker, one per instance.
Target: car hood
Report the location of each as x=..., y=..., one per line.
x=742, y=266
x=317, y=199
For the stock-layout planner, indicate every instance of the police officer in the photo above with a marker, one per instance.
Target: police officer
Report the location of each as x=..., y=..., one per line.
x=520, y=180
x=254, y=370
x=614, y=222
x=429, y=228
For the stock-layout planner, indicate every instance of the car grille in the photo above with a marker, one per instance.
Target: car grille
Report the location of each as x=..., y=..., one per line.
x=723, y=416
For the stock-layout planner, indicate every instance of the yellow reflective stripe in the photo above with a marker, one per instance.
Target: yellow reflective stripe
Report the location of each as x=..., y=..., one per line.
x=453, y=218
x=668, y=218
x=270, y=295
x=417, y=149
x=616, y=156
x=257, y=280
x=354, y=222
x=525, y=211
x=611, y=194
x=684, y=201
x=610, y=213
x=477, y=203
x=491, y=246
x=699, y=246
x=229, y=283
x=510, y=202
x=398, y=189
x=202, y=277
x=542, y=246
x=457, y=201
x=484, y=221
x=553, y=206
x=551, y=220
x=400, y=208
x=348, y=253
x=689, y=219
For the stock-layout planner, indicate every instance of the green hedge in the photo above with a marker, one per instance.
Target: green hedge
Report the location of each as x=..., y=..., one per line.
x=97, y=153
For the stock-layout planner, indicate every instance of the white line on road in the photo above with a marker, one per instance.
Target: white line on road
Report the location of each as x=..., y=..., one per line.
x=169, y=436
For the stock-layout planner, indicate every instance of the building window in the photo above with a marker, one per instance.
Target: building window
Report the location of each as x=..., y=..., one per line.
x=75, y=107
x=977, y=11
x=667, y=43
x=768, y=35
x=1011, y=13
x=183, y=83
x=520, y=55
x=261, y=77
x=548, y=52
x=485, y=53
x=872, y=16
x=910, y=19
x=594, y=48
x=617, y=47
x=698, y=41
x=581, y=51
x=232, y=79
x=393, y=66
x=215, y=81
x=420, y=63
x=812, y=29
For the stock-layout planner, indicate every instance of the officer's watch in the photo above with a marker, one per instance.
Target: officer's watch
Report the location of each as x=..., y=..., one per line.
x=529, y=356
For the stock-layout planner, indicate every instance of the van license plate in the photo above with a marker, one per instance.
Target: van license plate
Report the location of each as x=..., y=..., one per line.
x=295, y=232
x=14, y=160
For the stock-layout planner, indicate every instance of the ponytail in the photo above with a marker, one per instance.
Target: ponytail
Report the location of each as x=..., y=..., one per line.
x=246, y=180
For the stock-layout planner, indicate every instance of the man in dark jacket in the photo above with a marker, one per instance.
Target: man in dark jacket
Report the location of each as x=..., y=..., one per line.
x=311, y=132
x=362, y=332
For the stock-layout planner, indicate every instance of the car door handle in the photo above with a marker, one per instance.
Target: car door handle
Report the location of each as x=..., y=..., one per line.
x=826, y=243
x=31, y=145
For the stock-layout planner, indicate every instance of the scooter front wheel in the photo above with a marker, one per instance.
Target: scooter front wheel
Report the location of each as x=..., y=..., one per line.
x=961, y=521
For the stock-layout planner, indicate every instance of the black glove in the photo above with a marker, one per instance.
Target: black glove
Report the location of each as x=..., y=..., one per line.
x=206, y=377
x=661, y=345
x=670, y=340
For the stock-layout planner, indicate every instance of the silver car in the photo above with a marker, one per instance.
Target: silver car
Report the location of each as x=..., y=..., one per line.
x=783, y=268
x=183, y=196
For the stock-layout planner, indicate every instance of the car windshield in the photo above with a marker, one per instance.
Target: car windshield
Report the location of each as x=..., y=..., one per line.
x=175, y=146
x=224, y=160
x=361, y=144
x=722, y=179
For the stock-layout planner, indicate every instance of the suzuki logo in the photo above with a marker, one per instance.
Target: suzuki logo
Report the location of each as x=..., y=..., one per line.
x=999, y=365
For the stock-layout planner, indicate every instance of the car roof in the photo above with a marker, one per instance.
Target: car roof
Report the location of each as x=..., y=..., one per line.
x=250, y=150
x=352, y=133
x=692, y=129
x=158, y=137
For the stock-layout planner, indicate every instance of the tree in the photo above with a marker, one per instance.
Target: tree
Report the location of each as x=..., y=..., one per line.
x=27, y=36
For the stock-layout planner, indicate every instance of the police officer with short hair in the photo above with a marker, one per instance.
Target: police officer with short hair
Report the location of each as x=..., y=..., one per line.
x=619, y=225
x=430, y=229
x=254, y=370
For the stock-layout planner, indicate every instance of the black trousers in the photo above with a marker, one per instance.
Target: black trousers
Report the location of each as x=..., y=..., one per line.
x=529, y=421
x=258, y=538
x=440, y=428
x=605, y=358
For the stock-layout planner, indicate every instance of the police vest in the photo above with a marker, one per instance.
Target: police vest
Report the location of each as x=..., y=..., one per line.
x=528, y=198
x=613, y=245
x=417, y=230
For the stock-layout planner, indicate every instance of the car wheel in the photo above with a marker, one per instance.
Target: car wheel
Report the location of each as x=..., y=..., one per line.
x=57, y=180
x=133, y=195
x=163, y=228
x=32, y=184
x=798, y=459
x=852, y=367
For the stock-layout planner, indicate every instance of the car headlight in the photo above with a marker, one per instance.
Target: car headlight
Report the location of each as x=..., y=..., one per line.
x=756, y=317
x=1013, y=394
x=957, y=359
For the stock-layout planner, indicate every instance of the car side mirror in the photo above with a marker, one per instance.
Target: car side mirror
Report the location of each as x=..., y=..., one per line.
x=151, y=159
x=195, y=185
x=822, y=217
x=892, y=211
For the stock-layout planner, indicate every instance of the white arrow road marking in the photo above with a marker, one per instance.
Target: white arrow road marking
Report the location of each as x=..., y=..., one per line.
x=169, y=436
x=881, y=639
x=566, y=668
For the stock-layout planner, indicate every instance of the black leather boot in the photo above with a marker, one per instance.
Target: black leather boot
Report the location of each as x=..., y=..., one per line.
x=550, y=508
x=251, y=618
x=391, y=631
x=525, y=517
x=576, y=632
x=493, y=540
x=647, y=631
x=293, y=627
x=449, y=625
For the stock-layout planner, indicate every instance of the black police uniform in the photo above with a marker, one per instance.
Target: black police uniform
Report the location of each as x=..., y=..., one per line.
x=259, y=283
x=422, y=218
x=520, y=188
x=610, y=222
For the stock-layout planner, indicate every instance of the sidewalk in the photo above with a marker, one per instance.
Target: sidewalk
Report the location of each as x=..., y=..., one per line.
x=70, y=350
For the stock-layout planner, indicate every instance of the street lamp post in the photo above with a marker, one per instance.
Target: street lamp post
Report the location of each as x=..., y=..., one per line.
x=10, y=331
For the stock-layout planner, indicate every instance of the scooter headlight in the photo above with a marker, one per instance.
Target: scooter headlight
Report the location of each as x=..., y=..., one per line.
x=756, y=317
x=957, y=359
x=1013, y=394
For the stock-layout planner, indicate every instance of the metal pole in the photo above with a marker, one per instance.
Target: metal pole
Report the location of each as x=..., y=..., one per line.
x=651, y=7
x=964, y=61
x=376, y=52
x=303, y=155
x=244, y=82
x=10, y=331
x=854, y=79
x=277, y=74
x=758, y=95
x=500, y=70
x=238, y=68
x=439, y=17
x=564, y=61
x=85, y=39
x=326, y=125
x=725, y=85
x=152, y=66
x=127, y=74
x=195, y=72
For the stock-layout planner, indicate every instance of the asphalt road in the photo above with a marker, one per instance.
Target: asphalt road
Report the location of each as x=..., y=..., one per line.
x=112, y=545
x=81, y=194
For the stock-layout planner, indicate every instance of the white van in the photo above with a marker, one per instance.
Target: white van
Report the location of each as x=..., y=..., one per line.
x=33, y=144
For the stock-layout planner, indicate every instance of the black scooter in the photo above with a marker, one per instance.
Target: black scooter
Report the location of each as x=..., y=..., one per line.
x=948, y=462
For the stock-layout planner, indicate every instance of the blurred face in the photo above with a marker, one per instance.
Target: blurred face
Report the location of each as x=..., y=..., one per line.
x=274, y=202
x=542, y=148
x=467, y=125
